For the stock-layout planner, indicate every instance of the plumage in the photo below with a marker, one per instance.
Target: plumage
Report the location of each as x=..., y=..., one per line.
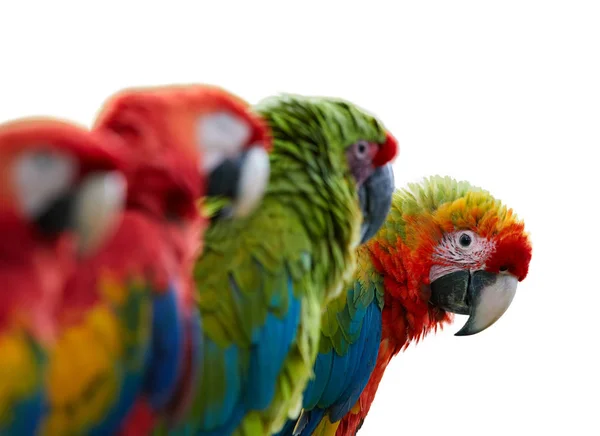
x=263, y=280
x=388, y=304
x=48, y=170
x=178, y=137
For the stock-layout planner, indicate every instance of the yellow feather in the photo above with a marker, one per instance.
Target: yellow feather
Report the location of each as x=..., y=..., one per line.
x=18, y=372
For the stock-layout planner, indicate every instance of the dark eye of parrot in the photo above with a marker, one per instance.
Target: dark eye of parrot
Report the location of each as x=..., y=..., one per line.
x=464, y=240
x=361, y=149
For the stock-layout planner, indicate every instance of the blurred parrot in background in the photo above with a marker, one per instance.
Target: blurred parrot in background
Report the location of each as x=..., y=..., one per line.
x=130, y=337
x=446, y=247
x=263, y=281
x=60, y=194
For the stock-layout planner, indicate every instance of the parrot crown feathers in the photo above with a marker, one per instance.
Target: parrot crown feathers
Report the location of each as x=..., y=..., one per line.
x=323, y=126
x=453, y=205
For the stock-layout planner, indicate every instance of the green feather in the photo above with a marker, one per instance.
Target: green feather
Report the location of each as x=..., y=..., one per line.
x=307, y=226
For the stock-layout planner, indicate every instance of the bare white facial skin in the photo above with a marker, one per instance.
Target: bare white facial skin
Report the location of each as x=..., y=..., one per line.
x=40, y=177
x=221, y=135
x=490, y=295
x=460, y=250
x=224, y=135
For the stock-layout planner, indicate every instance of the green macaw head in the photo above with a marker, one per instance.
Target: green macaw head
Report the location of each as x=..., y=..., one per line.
x=345, y=151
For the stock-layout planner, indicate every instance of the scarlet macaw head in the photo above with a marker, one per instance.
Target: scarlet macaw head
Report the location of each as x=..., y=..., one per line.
x=471, y=248
x=198, y=139
x=60, y=196
x=57, y=179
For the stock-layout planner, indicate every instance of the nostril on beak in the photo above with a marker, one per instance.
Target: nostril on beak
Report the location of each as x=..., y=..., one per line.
x=504, y=268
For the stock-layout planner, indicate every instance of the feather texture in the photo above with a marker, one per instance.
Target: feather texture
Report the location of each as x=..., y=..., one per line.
x=263, y=280
x=350, y=336
x=387, y=307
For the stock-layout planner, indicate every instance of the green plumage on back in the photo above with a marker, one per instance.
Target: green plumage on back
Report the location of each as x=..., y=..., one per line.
x=264, y=280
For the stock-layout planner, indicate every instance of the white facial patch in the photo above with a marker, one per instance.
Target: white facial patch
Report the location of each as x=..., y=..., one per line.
x=453, y=254
x=221, y=135
x=253, y=181
x=40, y=177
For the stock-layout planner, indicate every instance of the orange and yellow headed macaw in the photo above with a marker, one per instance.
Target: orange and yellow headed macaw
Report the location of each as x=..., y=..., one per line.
x=186, y=142
x=446, y=247
x=59, y=196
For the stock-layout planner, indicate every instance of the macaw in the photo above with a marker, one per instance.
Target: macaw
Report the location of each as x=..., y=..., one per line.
x=60, y=196
x=185, y=142
x=262, y=281
x=446, y=247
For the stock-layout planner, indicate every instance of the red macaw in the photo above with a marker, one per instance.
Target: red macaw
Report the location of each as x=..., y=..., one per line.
x=60, y=194
x=188, y=141
x=446, y=247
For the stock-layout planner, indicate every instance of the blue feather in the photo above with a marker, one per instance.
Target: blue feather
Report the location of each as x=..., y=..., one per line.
x=27, y=416
x=340, y=379
x=370, y=337
x=130, y=388
x=269, y=353
x=167, y=349
x=219, y=413
x=270, y=346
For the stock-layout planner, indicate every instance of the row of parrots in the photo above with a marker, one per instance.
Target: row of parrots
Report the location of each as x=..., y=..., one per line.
x=195, y=265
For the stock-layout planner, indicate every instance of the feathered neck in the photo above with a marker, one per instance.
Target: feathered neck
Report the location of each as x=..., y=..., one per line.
x=407, y=314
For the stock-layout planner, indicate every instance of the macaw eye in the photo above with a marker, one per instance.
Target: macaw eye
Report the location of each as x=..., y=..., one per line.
x=464, y=240
x=40, y=177
x=361, y=149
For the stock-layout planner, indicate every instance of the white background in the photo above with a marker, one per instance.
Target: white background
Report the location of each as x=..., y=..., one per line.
x=503, y=94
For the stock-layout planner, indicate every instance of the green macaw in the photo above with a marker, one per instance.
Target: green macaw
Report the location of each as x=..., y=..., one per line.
x=263, y=281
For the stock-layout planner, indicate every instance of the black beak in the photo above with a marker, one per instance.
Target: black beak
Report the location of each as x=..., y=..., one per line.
x=90, y=209
x=482, y=295
x=375, y=196
x=241, y=179
x=58, y=216
x=224, y=179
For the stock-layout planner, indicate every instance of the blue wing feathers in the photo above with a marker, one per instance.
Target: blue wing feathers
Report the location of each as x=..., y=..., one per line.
x=315, y=388
x=269, y=353
x=254, y=387
x=340, y=378
x=167, y=349
x=370, y=337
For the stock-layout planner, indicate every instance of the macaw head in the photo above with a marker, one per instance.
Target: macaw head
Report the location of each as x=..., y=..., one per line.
x=332, y=137
x=189, y=142
x=60, y=196
x=470, y=248
x=57, y=181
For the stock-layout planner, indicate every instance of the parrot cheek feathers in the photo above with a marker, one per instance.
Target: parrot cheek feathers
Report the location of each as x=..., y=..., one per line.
x=375, y=197
x=483, y=296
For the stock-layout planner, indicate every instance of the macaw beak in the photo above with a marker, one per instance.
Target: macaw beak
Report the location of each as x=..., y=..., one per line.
x=91, y=209
x=482, y=295
x=100, y=199
x=242, y=178
x=375, y=196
